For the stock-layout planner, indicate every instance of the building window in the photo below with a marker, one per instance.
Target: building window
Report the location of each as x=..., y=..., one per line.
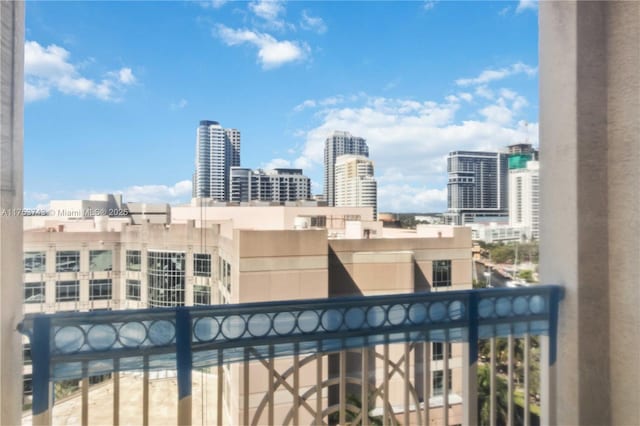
x=26, y=354
x=99, y=289
x=441, y=273
x=225, y=273
x=67, y=291
x=133, y=260
x=166, y=278
x=202, y=265
x=34, y=292
x=67, y=261
x=35, y=261
x=437, y=350
x=100, y=260
x=438, y=382
x=133, y=289
x=318, y=222
x=201, y=295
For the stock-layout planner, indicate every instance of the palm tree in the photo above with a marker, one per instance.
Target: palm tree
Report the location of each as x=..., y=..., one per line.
x=484, y=395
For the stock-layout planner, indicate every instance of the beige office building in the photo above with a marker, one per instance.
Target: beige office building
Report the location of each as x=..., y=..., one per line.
x=259, y=254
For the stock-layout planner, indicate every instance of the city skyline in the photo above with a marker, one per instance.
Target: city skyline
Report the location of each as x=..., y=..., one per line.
x=118, y=116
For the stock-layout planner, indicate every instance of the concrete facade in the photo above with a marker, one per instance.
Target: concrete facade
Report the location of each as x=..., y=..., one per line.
x=217, y=149
x=590, y=151
x=252, y=265
x=477, y=186
x=12, y=29
x=355, y=185
x=274, y=217
x=524, y=198
x=277, y=185
x=339, y=143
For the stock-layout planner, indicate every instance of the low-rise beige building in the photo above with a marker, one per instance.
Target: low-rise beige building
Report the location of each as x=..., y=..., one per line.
x=91, y=265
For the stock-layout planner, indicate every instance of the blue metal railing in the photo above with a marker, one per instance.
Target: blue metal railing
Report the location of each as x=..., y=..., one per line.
x=81, y=344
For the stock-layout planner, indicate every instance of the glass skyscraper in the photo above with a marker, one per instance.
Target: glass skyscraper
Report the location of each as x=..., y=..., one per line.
x=217, y=150
x=477, y=186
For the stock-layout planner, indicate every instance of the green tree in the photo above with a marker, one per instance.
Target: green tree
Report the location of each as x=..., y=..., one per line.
x=484, y=397
x=526, y=275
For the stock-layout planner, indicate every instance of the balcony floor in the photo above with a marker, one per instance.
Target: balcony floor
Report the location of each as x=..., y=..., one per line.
x=163, y=397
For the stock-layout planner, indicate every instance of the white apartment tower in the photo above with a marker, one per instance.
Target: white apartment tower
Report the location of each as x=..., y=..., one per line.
x=524, y=198
x=277, y=185
x=217, y=149
x=339, y=143
x=355, y=185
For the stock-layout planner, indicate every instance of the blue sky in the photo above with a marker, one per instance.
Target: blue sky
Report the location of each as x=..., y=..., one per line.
x=114, y=91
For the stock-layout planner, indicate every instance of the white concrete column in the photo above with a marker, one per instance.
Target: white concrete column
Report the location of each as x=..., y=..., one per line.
x=590, y=174
x=11, y=133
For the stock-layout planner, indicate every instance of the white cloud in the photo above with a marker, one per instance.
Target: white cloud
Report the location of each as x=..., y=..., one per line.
x=409, y=140
x=35, y=93
x=309, y=103
x=36, y=197
x=527, y=5
x=490, y=75
x=213, y=4
x=277, y=163
x=391, y=85
x=272, y=53
x=465, y=96
x=406, y=198
x=429, y=4
x=499, y=114
x=125, y=75
x=178, y=193
x=181, y=104
x=484, y=92
x=313, y=23
x=48, y=68
x=173, y=194
x=269, y=10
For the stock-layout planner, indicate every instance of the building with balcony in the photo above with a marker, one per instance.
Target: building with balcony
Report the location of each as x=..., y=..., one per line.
x=337, y=144
x=217, y=150
x=277, y=185
x=355, y=185
x=524, y=196
x=477, y=186
x=159, y=265
x=588, y=360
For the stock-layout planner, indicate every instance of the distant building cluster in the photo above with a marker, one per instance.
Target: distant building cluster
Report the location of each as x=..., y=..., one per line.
x=497, y=193
x=339, y=143
x=348, y=182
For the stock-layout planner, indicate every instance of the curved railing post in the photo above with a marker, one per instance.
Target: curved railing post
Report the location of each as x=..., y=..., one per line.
x=41, y=364
x=470, y=365
x=183, y=364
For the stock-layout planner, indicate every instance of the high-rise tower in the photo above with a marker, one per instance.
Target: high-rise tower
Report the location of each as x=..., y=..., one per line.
x=217, y=150
x=339, y=143
x=524, y=189
x=233, y=136
x=477, y=186
x=355, y=184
